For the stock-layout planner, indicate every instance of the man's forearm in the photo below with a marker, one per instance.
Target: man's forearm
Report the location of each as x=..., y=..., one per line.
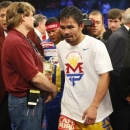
x=101, y=89
x=41, y=82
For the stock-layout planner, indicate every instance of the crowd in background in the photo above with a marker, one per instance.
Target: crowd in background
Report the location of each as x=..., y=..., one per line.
x=84, y=5
x=51, y=8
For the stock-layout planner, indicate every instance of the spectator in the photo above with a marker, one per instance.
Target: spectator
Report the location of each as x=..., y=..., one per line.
x=97, y=29
x=114, y=22
x=114, y=19
x=36, y=33
x=116, y=46
x=53, y=108
x=22, y=70
x=5, y=123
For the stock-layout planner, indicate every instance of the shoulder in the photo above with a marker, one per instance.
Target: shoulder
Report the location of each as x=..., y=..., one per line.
x=93, y=44
x=62, y=44
x=115, y=37
x=93, y=41
x=13, y=39
x=120, y=32
x=118, y=40
x=118, y=35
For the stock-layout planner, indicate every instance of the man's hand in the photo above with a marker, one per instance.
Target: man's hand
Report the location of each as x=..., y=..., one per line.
x=49, y=98
x=90, y=115
x=52, y=95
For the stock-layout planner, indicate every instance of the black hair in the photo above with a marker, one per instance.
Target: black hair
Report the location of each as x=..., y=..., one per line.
x=51, y=20
x=73, y=12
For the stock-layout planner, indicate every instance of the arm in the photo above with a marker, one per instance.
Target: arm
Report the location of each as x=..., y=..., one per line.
x=41, y=82
x=91, y=112
x=31, y=71
x=101, y=89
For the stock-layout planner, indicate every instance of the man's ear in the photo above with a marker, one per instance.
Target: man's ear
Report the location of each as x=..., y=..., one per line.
x=39, y=24
x=82, y=26
x=22, y=17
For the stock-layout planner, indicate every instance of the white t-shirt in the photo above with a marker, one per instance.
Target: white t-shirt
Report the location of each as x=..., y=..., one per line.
x=82, y=65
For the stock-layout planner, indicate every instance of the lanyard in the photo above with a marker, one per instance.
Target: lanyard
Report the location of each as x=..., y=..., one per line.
x=36, y=50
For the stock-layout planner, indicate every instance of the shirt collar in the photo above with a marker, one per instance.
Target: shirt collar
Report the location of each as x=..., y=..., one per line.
x=127, y=27
x=38, y=33
x=5, y=33
x=17, y=33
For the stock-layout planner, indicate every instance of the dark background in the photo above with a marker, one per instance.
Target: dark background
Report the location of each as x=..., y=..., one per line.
x=42, y=4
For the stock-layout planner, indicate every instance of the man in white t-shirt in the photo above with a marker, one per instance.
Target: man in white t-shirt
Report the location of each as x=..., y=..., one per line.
x=86, y=102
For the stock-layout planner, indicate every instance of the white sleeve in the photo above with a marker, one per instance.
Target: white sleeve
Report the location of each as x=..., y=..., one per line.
x=60, y=60
x=102, y=60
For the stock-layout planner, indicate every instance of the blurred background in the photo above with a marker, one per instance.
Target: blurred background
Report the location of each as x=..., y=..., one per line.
x=51, y=8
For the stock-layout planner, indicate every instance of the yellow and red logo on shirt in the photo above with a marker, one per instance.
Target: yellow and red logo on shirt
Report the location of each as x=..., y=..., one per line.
x=74, y=69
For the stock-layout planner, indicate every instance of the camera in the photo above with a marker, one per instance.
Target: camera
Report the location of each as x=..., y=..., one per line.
x=87, y=21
